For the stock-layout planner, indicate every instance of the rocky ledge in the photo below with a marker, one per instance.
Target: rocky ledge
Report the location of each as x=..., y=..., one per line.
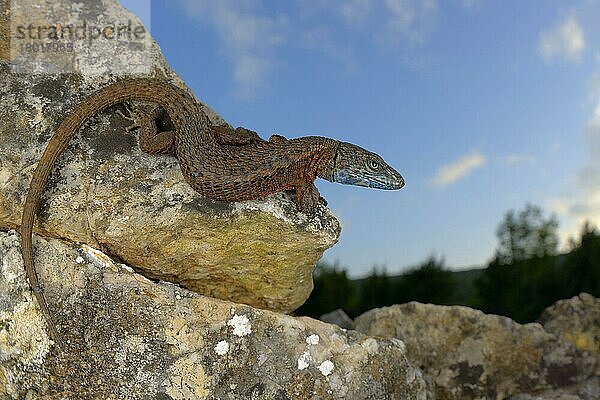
x=466, y=354
x=126, y=337
x=136, y=207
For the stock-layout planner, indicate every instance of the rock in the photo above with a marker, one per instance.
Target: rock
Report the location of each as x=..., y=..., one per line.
x=127, y=337
x=586, y=390
x=471, y=355
x=576, y=320
x=106, y=193
x=339, y=318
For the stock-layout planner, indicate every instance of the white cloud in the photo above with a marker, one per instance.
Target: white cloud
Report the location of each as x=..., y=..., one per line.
x=583, y=201
x=249, y=40
x=459, y=169
x=411, y=19
x=566, y=41
x=355, y=11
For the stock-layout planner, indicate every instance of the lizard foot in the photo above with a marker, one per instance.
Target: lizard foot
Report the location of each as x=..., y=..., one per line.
x=141, y=115
x=157, y=134
x=134, y=114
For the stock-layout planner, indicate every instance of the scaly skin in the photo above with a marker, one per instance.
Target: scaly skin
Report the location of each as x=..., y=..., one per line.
x=218, y=162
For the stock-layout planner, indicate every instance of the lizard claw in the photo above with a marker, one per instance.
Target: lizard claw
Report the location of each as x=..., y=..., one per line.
x=137, y=114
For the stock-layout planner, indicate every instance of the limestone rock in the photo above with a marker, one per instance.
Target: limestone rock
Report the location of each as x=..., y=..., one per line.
x=339, y=318
x=127, y=337
x=107, y=193
x=586, y=390
x=576, y=320
x=471, y=355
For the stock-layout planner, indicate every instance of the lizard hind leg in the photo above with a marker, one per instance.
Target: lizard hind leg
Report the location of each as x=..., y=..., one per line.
x=157, y=135
x=235, y=137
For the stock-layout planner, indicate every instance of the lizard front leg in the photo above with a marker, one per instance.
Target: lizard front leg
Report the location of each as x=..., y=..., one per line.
x=307, y=197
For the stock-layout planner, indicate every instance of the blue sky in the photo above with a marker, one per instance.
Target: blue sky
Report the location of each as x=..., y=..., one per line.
x=482, y=105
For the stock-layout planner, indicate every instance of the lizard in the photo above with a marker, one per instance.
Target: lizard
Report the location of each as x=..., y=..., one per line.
x=218, y=162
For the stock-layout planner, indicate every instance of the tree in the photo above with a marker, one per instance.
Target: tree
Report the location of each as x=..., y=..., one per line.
x=332, y=290
x=523, y=278
x=582, y=265
x=374, y=291
x=526, y=235
x=429, y=282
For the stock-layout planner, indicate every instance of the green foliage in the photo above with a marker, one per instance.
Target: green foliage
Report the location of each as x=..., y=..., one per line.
x=520, y=290
x=582, y=266
x=526, y=275
x=521, y=283
x=374, y=291
x=430, y=282
x=526, y=235
x=332, y=290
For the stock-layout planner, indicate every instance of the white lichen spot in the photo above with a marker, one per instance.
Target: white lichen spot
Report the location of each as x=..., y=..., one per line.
x=241, y=325
x=326, y=367
x=222, y=347
x=303, y=360
x=79, y=260
x=313, y=339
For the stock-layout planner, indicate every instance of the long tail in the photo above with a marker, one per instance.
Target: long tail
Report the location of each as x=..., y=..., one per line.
x=136, y=89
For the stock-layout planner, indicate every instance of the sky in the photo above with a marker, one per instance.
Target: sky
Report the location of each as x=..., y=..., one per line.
x=483, y=106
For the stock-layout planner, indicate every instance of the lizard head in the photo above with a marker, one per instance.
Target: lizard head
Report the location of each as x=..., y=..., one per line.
x=353, y=165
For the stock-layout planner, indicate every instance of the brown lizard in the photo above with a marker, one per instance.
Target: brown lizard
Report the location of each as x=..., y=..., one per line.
x=218, y=162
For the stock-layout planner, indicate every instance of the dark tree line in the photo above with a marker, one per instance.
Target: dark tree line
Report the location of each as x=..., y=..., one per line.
x=430, y=282
x=526, y=275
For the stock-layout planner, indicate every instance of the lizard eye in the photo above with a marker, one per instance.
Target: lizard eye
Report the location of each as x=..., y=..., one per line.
x=373, y=165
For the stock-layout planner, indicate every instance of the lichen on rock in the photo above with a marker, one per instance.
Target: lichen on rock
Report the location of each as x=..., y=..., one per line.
x=104, y=191
x=471, y=355
x=128, y=337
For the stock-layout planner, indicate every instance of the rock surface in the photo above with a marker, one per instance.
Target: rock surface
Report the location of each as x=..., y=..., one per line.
x=576, y=320
x=338, y=317
x=470, y=355
x=129, y=338
x=107, y=193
